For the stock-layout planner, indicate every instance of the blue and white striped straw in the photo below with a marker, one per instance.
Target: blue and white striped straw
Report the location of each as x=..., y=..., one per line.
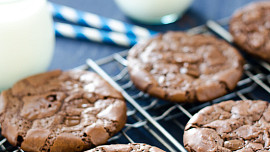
x=96, y=21
x=92, y=34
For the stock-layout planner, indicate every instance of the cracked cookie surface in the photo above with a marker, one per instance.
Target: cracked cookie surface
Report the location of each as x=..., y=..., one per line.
x=61, y=111
x=182, y=68
x=250, y=27
x=240, y=126
x=134, y=147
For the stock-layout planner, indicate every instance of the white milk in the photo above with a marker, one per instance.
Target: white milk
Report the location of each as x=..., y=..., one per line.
x=26, y=39
x=154, y=11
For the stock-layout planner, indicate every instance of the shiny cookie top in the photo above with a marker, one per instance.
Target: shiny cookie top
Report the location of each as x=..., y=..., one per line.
x=183, y=68
x=250, y=27
x=78, y=107
x=241, y=126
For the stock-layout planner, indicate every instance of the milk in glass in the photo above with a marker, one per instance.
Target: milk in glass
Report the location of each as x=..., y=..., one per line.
x=26, y=39
x=154, y=11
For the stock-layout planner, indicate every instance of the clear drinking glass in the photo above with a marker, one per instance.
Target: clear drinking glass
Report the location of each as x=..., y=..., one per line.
x=154, y=11
x=26, y=39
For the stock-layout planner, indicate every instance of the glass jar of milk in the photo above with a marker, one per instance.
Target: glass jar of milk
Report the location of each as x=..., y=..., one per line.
x=26, y=39
x=154, y=11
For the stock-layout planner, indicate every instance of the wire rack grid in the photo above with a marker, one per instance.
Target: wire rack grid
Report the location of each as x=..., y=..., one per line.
x=160, y=123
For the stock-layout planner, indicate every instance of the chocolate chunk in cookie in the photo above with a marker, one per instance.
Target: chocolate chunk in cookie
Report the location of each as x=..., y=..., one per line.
x=240, y=126
x=61, y=111
x=179, y=67
x=250, y=28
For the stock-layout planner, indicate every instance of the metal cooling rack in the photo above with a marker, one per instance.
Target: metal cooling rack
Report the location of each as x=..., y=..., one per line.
x=160, y=123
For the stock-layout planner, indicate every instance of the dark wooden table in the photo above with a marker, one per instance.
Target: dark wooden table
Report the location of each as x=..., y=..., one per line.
x=70, y=53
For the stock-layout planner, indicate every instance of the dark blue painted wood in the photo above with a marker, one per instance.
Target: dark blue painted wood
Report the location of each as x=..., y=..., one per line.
x=70, y=53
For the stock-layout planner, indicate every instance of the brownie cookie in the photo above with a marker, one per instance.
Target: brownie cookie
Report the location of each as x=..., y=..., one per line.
x=183, y=68
x=242, y=126
x=134, y=147
x=61, y=111
x=250, y=27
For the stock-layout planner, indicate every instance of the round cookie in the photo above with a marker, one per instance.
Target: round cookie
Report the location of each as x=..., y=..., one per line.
x=61, y=111
x=134, y=147
x=179, y=67
x=250, y=28
x=242, y=126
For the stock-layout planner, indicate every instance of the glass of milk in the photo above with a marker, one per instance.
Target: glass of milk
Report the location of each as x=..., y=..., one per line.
x=154, y=11
x=26, y=39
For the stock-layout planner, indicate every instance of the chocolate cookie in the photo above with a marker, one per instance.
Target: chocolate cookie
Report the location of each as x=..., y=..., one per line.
x=183, y=68
x=242, y=126
x=61, y=111
x=250, y=27
x=134, y=147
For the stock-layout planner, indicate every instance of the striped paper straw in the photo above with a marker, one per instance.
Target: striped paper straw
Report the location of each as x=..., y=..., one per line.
x=92, y=34
x=96, y=21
